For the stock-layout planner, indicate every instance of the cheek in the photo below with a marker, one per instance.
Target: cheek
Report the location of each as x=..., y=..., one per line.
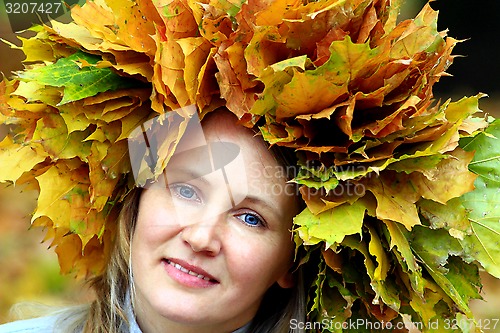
x=148, y=248
x=153, y=228
x=259, y=262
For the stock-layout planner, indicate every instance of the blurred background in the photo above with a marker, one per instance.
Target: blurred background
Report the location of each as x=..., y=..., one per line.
x=29, y=271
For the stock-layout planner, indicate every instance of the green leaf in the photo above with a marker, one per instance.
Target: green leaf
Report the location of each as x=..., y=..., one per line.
x=464, y=277
x=452, y=216
x=335, y=306
x=317, y=177
x=332, y=225
x=421, y=164
x=483, y=203
x=397, y=235
x=317, y=286
x=434, y=248
x=78, y=82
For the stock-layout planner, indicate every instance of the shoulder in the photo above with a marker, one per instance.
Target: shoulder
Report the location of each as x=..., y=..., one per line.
x=39, y=325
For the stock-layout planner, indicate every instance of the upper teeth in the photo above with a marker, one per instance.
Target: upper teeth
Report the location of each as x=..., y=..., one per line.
x=185, y=270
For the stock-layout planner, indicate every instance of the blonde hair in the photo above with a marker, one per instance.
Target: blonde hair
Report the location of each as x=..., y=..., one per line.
x=108, y=312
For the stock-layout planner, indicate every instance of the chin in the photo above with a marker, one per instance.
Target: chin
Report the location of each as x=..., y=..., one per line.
x=180, y=312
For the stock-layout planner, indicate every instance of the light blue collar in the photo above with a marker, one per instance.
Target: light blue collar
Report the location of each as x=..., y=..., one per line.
x=133, y=327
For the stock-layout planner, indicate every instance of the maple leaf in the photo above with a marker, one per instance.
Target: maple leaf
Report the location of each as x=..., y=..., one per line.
x=395, y=199
x=482, y=203
x=16, y=160
x=53, y=135
x=435, y=249
x=56, y=189
x=78, y=83
x=322, y=227
x=452, y=216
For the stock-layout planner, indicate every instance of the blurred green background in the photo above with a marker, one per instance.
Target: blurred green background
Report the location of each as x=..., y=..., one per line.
x=29, y=272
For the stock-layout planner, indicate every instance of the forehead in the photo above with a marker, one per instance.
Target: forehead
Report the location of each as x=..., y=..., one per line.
x=244, y=158
x=226, y=139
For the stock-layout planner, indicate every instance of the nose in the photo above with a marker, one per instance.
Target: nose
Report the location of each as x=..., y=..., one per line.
x=204, y=236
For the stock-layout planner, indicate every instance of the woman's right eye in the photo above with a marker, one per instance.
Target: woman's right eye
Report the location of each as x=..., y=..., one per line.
x=185, y=192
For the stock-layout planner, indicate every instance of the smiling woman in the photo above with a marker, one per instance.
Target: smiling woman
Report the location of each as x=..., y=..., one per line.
x=213, y=245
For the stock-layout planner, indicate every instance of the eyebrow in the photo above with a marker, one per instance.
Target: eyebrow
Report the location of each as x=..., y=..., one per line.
x=270, y=207
x=261, y=201
x=191, y=174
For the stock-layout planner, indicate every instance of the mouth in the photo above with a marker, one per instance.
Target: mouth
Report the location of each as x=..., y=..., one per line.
x=191, y=270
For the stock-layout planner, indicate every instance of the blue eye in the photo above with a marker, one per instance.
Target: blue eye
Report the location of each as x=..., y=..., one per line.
x=184, y=191
x=251, y=219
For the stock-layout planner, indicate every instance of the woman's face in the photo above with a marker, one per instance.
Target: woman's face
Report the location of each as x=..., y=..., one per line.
x=208, y=244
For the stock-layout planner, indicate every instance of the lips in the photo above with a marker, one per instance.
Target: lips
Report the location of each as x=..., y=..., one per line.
x=191, y=270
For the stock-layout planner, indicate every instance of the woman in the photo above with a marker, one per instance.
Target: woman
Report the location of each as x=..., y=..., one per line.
x=198, y=251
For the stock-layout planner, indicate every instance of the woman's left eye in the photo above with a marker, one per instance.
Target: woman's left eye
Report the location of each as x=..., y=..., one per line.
x=252, y=220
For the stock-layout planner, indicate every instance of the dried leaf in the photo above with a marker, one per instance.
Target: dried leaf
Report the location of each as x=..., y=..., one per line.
x=395, y=199
x=16, y=160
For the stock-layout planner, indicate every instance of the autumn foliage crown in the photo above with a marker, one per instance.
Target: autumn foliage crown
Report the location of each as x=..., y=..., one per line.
x=341, y=82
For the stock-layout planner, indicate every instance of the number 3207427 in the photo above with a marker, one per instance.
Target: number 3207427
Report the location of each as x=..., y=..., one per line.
x=484, y=324
x=33, y=7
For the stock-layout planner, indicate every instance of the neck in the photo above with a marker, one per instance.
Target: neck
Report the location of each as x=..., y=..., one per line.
x=152, y=322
